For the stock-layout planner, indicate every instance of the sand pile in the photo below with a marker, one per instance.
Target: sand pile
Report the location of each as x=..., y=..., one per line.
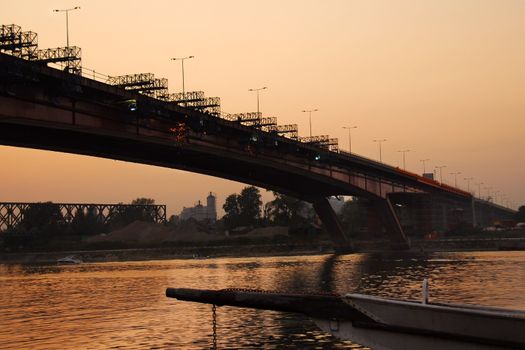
x=188, y=231
x=267, y=232
x=137, y=231
x=140, y=231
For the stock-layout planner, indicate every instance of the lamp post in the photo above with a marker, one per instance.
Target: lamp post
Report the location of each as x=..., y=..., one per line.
x=67, y=20
x=479, y=189
x=257, y=91
x=424, y=161
x=488, y=193
x=309, y=111
x=440, y=167
x=404, y=151
x=468, y=179
x=455, y=178
x=349, y=128
x=182, y=59
x=380, y=141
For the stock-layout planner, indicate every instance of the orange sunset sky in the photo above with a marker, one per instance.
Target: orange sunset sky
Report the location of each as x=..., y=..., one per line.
x=444, y=79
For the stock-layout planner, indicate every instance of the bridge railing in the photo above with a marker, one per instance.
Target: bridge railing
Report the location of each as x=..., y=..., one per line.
x=95, y=75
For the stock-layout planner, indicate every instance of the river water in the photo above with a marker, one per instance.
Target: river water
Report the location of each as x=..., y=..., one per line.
x=121, y=305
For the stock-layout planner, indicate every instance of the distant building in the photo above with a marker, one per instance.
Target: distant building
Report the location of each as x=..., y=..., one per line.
x=200, y=212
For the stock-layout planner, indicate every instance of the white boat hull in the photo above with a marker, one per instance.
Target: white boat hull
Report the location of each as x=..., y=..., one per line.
x=385, y=340
x=406, y=325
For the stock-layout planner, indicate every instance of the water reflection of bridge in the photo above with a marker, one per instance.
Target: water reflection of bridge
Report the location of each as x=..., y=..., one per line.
x=135, y=118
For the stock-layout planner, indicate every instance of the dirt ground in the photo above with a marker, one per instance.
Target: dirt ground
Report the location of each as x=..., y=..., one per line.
x=147, y=232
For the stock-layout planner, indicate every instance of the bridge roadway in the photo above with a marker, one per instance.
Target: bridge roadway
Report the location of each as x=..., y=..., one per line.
x=49, y=109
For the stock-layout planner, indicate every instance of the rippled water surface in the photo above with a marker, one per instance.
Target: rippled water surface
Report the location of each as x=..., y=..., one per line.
x=122, y=304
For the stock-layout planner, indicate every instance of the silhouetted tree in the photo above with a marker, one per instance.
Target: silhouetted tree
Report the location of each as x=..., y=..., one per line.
x=86, y=223
x=243, y=209
x=174, y=220
x=43, y=219
x=520, y=214
x=125, y=215
x=285, y=210
x=232, y=211
x=250, y=205
x=353, y=216
x=143, y=201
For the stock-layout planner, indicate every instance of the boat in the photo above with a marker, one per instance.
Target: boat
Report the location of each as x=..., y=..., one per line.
x=383, y=323
x=71, y=259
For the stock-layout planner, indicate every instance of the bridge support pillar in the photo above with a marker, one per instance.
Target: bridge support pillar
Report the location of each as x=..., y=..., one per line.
x=398, y=239
x=330, y=221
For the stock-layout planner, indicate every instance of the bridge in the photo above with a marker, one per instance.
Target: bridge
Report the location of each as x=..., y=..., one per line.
x=134, y=118
x=12, y=213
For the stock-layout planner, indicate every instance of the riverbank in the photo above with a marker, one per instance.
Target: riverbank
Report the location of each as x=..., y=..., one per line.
x=187, y=252
x=254, y=250
x=150, y=241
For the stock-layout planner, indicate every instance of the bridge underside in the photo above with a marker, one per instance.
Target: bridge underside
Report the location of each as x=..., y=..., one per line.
x=165, y=155
x=192, y=159
x=422, y=213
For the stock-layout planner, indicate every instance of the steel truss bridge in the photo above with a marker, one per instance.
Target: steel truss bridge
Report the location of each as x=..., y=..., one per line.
x=134, y=118
x=12, y=213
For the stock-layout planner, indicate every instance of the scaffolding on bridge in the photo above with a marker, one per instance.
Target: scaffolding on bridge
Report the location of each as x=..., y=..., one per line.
x=24, y=45
x=143, y=83
x=253, y=119
x=69, y=58
x=323, y=141
x=243, y=117
x=290, y=131
x=147, y=84
x=195, y=100
x=267, y=124
x=15, y=42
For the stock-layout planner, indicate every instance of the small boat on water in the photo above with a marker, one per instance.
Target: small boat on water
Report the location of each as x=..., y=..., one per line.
x=71, y=259
x=382, y=323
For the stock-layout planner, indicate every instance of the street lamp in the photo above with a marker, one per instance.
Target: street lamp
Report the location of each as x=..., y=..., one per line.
x=488, y=193
x=309, y=111
x=424, y=161
x=182, y=59
x=455, y=178
x=404, y=151
x=257, y=90
x=67, y=20
x=479, y=189
x=380, y=141
x=350, y=136
x=468, y=179
x=440, y=167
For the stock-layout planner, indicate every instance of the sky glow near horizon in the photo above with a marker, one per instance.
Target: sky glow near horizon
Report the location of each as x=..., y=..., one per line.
x=444, y=79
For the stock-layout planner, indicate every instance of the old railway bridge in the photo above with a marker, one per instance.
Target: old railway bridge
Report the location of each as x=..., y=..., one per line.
x=134, y=118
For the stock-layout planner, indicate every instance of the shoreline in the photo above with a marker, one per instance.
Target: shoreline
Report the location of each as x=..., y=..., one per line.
x=145, y=254
x=261, y=250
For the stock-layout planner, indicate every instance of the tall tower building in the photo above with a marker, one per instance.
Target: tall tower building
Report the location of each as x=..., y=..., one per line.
x=211, y=207
x=200, y=212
